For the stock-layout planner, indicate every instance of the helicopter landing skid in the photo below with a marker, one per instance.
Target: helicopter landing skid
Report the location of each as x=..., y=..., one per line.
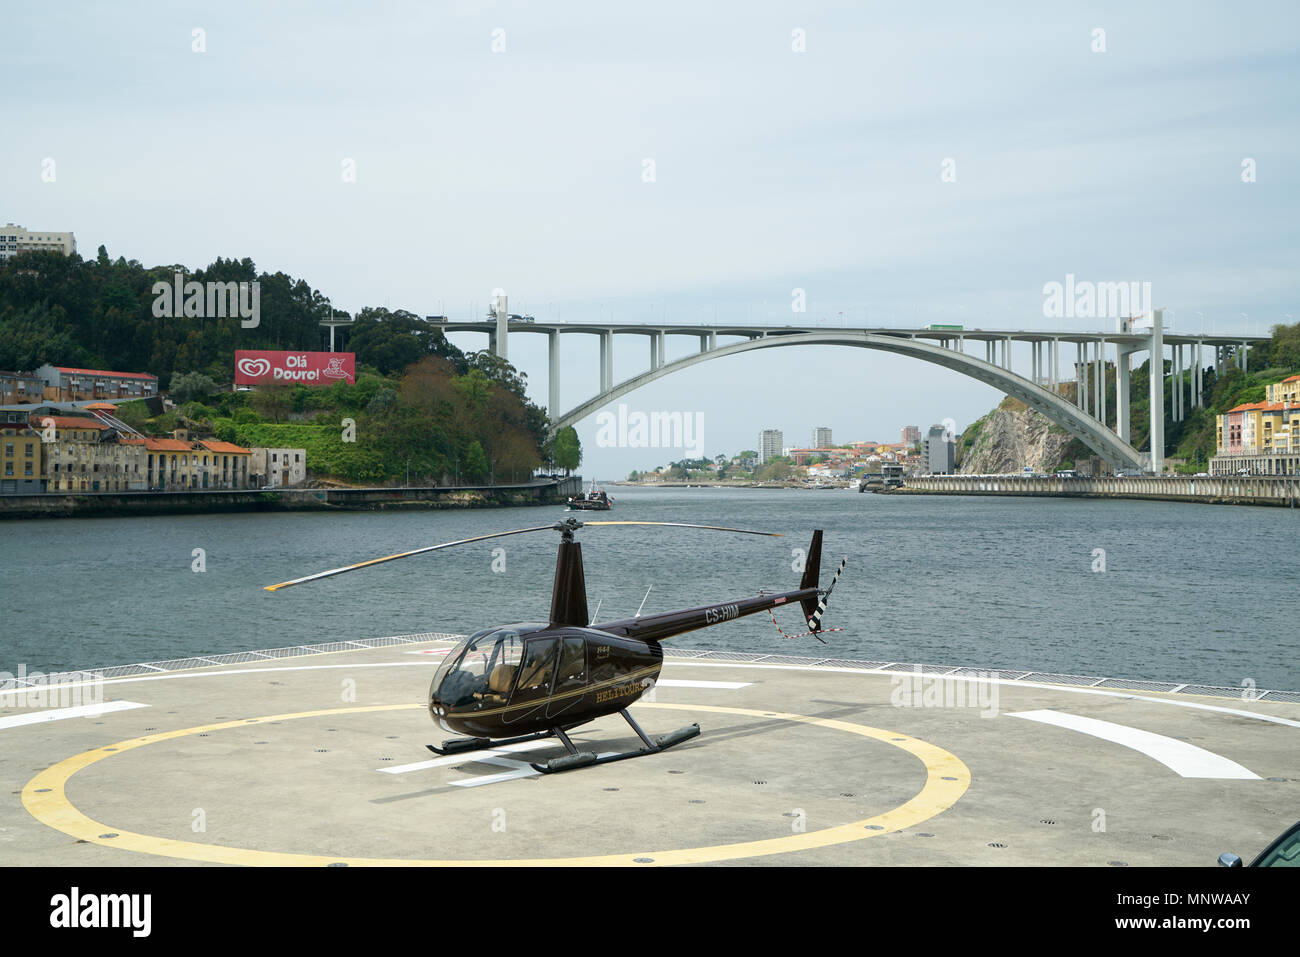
x=582, y=759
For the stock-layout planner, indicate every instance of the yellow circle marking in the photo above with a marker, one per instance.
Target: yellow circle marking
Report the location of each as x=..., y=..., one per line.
x=55, y=810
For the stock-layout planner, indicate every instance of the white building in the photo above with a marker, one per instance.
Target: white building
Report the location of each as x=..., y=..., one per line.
x=279, y=467
x=821, y=438
x=16, y=239
x=940, y=451
x=769, y=444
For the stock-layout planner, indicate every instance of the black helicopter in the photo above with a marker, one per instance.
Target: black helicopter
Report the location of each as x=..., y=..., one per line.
x=523, y=682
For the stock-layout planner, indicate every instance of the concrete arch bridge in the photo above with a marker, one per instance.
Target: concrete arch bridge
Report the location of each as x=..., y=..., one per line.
x=1038, y=386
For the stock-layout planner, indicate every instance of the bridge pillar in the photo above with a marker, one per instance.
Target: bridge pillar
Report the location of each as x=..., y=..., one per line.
x=606, y=360
x=500, y=342
x=553, y=374
x=1198, y=396
x=1200, y=374
x=1101, y=379
x=1244, y=360
x=1081, y=374
x=1078, y=387
x=1090, y=352
x=656, y=350
x=1123, y=371
x=1156, y=392
x=1178, y=383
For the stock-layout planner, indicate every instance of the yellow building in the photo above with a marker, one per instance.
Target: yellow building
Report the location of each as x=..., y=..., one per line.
x=22, y=460
x=229, y=466
x=85, y=455
x=1288, y=391
x=180, y=463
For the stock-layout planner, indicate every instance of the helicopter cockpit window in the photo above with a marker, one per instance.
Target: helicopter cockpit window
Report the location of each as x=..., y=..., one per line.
x=570, y=676
x=481, y=676
x=536, y=671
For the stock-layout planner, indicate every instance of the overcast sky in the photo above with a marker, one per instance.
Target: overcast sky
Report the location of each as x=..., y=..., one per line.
x=510, y=145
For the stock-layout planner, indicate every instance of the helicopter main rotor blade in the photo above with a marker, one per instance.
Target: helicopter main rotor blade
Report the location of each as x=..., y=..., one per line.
x=716, y=528
x=417, y=551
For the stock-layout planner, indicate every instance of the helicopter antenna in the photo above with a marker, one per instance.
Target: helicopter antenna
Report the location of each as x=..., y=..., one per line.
x=597, y=611
x=642, y=605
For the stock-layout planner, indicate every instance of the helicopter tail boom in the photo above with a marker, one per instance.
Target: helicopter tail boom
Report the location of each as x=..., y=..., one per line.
x=811, y=598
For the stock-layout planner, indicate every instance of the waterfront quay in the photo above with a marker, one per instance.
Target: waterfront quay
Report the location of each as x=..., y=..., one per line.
x=93, y=504
x=1283, y=490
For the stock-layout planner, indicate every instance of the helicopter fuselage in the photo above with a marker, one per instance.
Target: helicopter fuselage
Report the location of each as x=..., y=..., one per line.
x=526, y=678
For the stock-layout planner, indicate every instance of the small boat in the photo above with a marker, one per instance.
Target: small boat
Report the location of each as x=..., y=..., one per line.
x=595, y=500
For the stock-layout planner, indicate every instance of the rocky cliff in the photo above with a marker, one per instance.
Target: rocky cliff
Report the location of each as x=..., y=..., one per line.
x=1009, y=438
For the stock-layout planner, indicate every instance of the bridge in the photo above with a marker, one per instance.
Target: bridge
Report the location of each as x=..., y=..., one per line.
x=1040, y=386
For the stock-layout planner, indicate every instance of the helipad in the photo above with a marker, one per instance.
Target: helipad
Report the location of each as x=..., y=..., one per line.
x=307, y=757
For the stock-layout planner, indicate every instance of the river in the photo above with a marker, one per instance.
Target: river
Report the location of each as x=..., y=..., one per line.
x=1154, y=590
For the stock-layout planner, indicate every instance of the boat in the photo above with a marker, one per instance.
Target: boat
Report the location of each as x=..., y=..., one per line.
x=595, y=500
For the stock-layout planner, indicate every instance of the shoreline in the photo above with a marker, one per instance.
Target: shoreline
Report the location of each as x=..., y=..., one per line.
x=119, y=504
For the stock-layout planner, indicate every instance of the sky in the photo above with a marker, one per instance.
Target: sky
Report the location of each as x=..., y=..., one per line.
x=684, y=163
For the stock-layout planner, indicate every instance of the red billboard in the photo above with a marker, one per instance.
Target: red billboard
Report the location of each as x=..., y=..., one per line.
x=254, y=367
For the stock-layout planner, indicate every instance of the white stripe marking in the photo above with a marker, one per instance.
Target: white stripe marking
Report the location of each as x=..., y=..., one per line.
x=1185, y=759
x=688, y=683
x=524, y=771
x=519, y=769
x=57, y=714
x=471, y=756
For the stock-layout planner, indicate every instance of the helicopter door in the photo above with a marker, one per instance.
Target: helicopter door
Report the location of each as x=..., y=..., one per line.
x=570, y=677
x=535, y=675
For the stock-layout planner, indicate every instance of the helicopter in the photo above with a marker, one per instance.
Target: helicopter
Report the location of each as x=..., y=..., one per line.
x=534, y=680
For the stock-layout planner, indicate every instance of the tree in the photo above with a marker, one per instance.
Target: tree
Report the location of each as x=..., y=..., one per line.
x=567, y=450
x=187, y=386
x=476, y=464
x=777, y=469
x=273, y=400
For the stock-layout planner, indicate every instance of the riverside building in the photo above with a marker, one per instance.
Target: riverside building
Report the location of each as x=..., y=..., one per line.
x=1261, y=438
x=16, y=239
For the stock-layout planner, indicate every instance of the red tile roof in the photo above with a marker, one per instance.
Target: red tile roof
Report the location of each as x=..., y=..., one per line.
x=1262, y=407
x=167, y=445
x=214, y=446
x=103, y=372
x=67, y=422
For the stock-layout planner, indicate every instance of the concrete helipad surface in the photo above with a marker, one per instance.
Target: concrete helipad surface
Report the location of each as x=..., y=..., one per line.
x=320, y=759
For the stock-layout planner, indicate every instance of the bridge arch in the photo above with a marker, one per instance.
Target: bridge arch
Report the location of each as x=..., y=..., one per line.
x=1087, y=429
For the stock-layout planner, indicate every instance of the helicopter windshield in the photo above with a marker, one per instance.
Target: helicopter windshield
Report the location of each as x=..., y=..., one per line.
x=481, y=675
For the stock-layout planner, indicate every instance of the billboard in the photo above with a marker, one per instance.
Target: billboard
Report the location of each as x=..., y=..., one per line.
x=254, y=367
